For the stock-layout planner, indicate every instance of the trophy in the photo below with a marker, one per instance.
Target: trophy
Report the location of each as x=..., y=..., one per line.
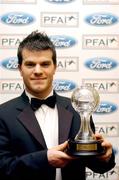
x=85, y=100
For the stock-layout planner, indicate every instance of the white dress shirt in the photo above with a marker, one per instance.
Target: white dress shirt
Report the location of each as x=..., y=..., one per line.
x=48, y=120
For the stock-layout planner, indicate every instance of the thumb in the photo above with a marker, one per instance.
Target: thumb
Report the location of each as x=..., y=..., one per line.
x=61, y=147
x=98, y=136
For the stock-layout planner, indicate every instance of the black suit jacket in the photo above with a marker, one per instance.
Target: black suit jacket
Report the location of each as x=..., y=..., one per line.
x=23, y=151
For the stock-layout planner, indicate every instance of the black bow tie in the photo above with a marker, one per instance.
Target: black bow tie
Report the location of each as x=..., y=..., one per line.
x=36, y=103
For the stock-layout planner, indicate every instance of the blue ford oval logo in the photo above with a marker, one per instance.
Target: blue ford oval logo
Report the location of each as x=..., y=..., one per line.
x=106, y=108
x=10, y=63
x=17, y=18
x=59, y=1
x=62, y=41
x=63, y=85
x=101, y=63
x=101, y=19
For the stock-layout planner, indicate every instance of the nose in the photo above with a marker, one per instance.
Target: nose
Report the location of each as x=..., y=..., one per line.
x=37, y=69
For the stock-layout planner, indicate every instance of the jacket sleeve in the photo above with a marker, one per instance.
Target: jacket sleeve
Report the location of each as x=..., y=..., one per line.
x=98, y=166
x=14, y=166
x=95, y=164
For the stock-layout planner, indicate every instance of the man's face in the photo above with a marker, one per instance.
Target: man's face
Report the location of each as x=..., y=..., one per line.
x=37, y=70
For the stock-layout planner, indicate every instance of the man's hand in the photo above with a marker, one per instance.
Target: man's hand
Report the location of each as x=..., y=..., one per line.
x=108, y=148
x=57, y=156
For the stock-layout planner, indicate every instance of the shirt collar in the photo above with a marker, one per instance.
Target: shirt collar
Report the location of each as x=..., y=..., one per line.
x=31, y=96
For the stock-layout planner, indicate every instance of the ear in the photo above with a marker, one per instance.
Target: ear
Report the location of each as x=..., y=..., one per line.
x=55, y=68
x=20, y=70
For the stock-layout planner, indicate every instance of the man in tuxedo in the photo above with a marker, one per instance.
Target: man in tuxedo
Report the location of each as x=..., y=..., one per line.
x=33, y=136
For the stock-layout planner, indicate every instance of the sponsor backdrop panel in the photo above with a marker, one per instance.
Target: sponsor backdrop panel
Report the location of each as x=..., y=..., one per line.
x=86, y=36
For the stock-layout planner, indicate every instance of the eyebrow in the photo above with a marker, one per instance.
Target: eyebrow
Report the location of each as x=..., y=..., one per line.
x=32, y=61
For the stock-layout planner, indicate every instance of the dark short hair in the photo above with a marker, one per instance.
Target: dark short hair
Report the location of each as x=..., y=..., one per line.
x=36, y=41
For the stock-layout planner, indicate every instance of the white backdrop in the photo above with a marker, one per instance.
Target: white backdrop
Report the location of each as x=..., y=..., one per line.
x=86, y=36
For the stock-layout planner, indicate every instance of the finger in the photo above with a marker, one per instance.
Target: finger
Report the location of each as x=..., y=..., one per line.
x=107, y=144
x=98, y=136
x=107, y=154
x=61, y=147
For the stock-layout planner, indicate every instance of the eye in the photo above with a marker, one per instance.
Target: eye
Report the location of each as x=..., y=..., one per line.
x=46, y=64
x=30, y=64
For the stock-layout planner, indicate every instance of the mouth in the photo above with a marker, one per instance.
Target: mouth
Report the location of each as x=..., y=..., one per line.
x=38, y=79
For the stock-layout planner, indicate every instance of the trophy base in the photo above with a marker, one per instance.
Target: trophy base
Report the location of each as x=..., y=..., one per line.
x=85, y=148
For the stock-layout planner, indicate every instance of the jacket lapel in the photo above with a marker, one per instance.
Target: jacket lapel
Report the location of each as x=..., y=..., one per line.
x=28, y=119
x=65, y=119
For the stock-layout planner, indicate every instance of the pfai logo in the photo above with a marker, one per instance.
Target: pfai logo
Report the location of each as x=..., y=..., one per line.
x=101, y=19
x=60, y=1
x=112, y=174
x=63, y=85
x=106, y=108
x=17, y=18
x=101, y=63
x=14, y=86
x=62, y=41
x=10, y=63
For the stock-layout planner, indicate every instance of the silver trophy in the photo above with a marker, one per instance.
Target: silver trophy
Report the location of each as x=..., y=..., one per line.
x=85, y=100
